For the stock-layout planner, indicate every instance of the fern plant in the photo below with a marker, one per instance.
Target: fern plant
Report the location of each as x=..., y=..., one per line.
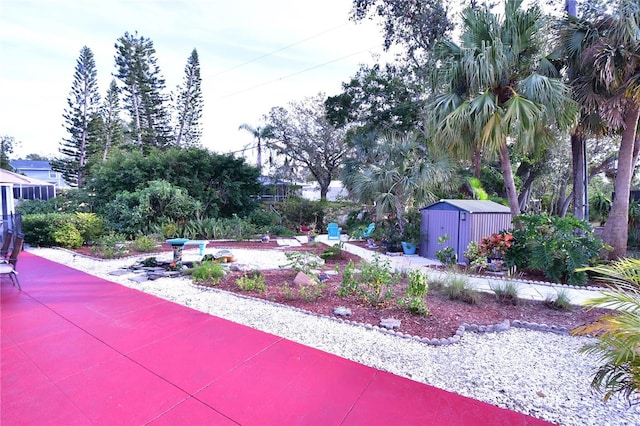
x=618, y=347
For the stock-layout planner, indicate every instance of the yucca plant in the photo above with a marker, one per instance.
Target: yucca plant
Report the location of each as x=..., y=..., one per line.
x=618, y=347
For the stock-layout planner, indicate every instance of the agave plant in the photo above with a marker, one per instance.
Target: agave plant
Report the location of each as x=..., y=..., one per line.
x=618, y=347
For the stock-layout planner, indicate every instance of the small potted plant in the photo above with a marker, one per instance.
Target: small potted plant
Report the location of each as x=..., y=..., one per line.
x=411, y=234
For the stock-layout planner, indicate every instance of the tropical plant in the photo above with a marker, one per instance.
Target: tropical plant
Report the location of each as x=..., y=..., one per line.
x=496, y=245
x=606, y=50
x=558, y=246
x=475, y=260
x=260, y=133
x=209, y=272
x=446, y=255
x=618, y=332
x=497, y=89
x=415, y=294
x=376, y=281
x=252, y=281
x=397, y=174
x=349, y=284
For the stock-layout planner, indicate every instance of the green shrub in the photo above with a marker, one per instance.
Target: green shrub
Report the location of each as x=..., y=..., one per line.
x=555, y=245
x=446, y=255
x=302, y=261
x=333, y=252
x=312, y=291
x=376, y=281
x=349, y=285
x=91, y=226
x=475, y=260
x=144, y=244
x=111, y=246
x=252, y=281
x=39, y=229
x=415, y=295
x=67, y=236
x=210, y=272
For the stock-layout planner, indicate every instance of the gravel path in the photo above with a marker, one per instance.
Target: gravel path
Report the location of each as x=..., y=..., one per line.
x=540, y=374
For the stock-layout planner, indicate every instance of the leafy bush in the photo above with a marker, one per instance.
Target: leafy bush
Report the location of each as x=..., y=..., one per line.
x=252, y=281
x=446, y=255
x=67, y=236
x=333, y=252
x=349, y=284
x=475, y=260
x=302, y=261
x=209, y=272
x=558, y=246
x=311, y=291
x=416, y=293
x=39, y=229
x=90, y=226
x=376, y=281
x=111, y=246
x=144, y=244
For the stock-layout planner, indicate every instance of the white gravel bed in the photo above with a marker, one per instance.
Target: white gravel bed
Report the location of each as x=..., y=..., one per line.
x=536, y=373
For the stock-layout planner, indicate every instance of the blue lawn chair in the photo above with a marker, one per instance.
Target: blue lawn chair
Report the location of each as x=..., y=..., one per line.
x=334, y=231
x=369, y=231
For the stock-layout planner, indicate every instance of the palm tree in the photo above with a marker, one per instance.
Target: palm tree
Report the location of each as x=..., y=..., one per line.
x=619, y=332
x=496, y=89
x=607, y=52
x=397, y=175
x=259, y=134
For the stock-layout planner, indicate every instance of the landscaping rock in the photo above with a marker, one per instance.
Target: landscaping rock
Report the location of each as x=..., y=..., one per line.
x=342, y=311
x=390, y=323
x=303, y=279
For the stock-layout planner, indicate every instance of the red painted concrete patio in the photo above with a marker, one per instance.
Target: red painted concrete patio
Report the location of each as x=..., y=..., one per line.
x=77, y=349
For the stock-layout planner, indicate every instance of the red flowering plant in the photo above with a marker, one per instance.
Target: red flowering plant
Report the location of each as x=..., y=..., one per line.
x=496, y=245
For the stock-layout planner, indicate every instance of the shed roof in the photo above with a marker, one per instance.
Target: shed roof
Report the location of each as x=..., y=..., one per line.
x=471, y=206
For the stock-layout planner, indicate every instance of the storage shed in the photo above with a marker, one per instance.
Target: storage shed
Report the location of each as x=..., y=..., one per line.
x=463, y=221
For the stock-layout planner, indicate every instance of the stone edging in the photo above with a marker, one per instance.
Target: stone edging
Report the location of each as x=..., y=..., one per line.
x=473, y=328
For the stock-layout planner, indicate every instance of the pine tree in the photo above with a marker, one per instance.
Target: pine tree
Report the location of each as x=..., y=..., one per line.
x=189, y=104
x=112, y=134
x=138, y=71
x=81, y=116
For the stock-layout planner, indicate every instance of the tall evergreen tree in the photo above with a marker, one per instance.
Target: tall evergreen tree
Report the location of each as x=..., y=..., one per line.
x=143, y=88
x=189, y=104
x=112, y=127
x=80, y=121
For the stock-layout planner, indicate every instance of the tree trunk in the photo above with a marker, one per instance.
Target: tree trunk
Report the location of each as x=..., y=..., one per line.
x=577, y=157
x=509, y=184
x=616, y=229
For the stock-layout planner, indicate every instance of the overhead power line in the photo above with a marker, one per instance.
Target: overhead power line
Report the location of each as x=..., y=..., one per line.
x=295, y=73
x=277, y=50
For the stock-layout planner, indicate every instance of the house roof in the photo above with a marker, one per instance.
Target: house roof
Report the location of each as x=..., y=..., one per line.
x=471, y=206
x=31, y=164
x=9, y=177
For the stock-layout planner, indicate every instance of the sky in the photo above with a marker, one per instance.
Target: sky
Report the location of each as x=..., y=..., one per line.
x=254, y=55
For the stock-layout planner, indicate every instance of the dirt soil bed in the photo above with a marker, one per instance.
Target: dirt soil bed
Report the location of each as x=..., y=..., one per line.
x=445, y=316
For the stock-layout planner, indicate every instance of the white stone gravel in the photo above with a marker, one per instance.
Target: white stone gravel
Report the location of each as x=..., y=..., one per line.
x=536, y=373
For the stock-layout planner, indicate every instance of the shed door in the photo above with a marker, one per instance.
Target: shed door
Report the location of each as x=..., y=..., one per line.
x=442, y=222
